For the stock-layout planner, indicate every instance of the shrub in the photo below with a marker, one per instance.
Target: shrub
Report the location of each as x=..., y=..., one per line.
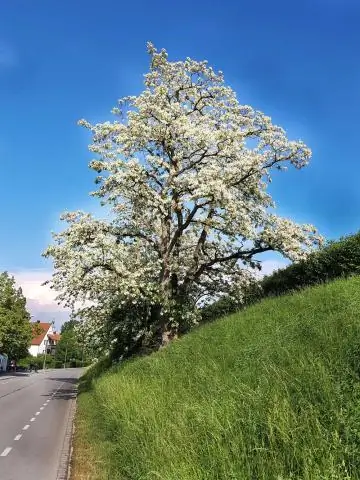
x=335, y=260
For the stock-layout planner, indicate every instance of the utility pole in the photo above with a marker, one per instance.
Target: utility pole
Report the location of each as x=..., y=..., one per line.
x=44, y=364
x=65, y=356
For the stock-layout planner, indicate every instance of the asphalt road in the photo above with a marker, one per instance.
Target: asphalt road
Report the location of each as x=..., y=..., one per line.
x=34, y=415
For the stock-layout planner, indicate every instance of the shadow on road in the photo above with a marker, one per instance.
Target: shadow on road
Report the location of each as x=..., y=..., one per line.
x=4, y=375
x=65, y=394
x=62, y=394
x=68, y=390
x=71, y=380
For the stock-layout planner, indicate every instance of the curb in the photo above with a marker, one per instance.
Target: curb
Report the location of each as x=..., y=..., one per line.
x=63, y=472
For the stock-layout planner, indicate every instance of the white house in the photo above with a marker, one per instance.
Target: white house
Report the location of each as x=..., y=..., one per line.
x=45, y=341
x=3, y=363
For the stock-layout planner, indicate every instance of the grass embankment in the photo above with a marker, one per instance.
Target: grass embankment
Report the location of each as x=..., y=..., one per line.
x=270, y=393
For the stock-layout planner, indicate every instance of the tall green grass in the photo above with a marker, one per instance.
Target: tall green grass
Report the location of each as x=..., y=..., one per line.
x=270, y=393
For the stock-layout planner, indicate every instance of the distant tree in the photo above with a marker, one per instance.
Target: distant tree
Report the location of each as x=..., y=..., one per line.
x=15, y=327
x=185, y=171
x=69, y=325
x=70, y=346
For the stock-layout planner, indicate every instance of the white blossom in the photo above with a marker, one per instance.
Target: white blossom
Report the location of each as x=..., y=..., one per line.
x=185, y=168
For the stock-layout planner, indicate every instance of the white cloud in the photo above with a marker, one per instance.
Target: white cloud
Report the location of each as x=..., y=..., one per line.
x=40, y=300
x=269, y=266
x=31, y=283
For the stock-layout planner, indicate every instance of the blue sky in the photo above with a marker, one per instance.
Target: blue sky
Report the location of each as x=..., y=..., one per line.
x=298, y=61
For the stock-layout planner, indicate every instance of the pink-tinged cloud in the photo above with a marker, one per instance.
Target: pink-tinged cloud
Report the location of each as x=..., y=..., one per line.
x=40, y=300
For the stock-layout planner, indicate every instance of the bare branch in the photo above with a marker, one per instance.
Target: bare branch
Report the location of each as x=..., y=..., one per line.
x=245, y=254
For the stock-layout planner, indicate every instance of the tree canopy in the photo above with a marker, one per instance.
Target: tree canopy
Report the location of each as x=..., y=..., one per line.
x=185, y=169
x=69, y=348
x=69, y=325
x=15, y=326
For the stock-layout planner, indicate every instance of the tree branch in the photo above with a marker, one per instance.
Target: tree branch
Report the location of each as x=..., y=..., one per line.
x=184, y=225
x=246, y=254
x=121, y=235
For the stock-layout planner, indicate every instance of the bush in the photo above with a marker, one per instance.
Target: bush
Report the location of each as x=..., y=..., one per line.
x=227, y=304
x=25, y=362
x=335, y=260
x=38, y=361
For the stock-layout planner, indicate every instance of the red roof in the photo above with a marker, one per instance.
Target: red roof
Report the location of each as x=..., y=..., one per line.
x=39, y=338
x=54, y=336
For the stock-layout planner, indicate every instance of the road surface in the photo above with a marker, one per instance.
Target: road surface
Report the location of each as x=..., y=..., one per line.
x=35, y=410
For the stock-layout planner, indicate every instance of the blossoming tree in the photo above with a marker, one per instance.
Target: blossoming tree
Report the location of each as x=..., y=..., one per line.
x=185, y=169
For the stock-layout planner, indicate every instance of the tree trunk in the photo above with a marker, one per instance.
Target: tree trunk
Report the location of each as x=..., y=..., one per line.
x=167, y=336
x=163, y=333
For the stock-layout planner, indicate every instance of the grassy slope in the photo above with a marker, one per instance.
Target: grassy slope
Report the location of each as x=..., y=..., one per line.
x=269, y=393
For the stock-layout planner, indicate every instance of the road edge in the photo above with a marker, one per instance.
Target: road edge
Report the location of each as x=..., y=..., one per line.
x=63, y=472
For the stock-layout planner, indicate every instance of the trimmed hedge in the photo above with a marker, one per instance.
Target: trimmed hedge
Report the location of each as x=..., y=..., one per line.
x=334, y=260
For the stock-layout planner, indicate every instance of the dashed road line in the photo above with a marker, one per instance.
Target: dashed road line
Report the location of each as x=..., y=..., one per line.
x=26, y=427
x=6, y=452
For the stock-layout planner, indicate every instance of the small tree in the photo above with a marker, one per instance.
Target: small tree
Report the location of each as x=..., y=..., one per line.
x=185, y=170
x=69, y=325
x=15, y=327
x=68, y=347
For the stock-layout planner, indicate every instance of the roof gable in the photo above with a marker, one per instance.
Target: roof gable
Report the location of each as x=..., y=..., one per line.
x=38, y=338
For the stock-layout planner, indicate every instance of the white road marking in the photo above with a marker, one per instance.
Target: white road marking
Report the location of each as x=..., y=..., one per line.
x=17, y=437
x=6, y=452
x=26, y=427
x=37, y=413
x=41, y=408
x=32, y=419
x=45, y=404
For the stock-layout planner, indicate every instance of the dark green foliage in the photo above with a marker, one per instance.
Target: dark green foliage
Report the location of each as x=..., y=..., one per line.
x=227, y=305
x=70, y=351
x=334, y=260
x=38, y=362
x=222, y=307
x=69, y=325
x=15, y=327
x=125, y=325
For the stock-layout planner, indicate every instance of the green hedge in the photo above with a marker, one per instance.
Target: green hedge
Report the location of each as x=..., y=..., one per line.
x=38, y=362
x=334, y=260
x=227, y=305
x=51, y=362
